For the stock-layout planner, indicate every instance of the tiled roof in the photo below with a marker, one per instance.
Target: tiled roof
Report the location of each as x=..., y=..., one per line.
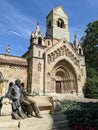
x=20, y=62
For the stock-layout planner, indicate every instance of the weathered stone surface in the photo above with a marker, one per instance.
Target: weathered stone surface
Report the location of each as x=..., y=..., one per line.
x=46, y=123
x=51, y=65
x=6, y=107
x=57, y=106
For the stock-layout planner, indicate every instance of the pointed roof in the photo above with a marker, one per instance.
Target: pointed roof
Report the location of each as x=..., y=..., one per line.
x=36, y=32
x=59, y=6
x=76, y=42
x=37, y=28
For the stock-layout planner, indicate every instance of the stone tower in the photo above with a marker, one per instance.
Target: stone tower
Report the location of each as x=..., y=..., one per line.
x=54, y=64
x=51, y=65
x=57, y=24
x=36, y=61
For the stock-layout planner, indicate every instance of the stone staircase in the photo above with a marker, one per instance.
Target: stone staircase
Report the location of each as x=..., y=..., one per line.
x=56, y=121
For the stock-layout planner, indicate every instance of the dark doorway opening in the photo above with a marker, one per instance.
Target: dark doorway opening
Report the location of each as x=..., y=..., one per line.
x=58, y=86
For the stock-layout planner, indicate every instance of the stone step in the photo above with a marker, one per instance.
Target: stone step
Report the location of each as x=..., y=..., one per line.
x=10, y=128
x=48, y=122
x=7, y=122
x=36, y=122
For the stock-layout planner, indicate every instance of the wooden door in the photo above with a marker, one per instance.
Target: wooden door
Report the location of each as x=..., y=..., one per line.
x=58, y=86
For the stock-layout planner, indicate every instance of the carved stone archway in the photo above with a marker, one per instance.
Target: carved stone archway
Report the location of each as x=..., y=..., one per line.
x=64, y=78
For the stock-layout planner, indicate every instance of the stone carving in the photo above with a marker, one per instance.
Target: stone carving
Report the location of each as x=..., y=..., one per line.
x=57, y=106
x=62, y=51
x=21, y=101
x=6, y=107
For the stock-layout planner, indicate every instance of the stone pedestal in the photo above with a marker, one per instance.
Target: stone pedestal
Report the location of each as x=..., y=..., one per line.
x=6, y=109
x=57, y=106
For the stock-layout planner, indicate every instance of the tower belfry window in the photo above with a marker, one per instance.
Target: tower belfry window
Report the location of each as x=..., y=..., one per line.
x=49, y=24
x=60, y=23
x=80, y=51
x=40, y=41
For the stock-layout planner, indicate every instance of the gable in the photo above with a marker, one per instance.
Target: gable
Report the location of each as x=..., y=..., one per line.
x=60, y=12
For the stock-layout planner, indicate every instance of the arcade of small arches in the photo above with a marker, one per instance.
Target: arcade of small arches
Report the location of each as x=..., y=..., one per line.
x=61, y=52
x=60, y=23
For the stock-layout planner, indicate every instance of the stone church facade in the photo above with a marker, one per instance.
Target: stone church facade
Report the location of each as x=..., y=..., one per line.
x=51, y=64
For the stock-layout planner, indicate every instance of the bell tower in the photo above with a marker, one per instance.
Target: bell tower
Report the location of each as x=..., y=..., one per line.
x=57, y=24
x=36, y=61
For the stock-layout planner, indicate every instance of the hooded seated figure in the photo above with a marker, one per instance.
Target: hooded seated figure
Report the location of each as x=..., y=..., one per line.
x=14, y=95
x=27, y=100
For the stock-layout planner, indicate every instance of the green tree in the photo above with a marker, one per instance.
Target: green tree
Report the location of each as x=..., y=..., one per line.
x=90, y=48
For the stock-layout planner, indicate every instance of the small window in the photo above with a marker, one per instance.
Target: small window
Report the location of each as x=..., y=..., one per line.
x=80, y=51
x=48, y=43
x=40, y=41
x=39, y=53
x=49, y=24
x=60, y=23
x=39, y=67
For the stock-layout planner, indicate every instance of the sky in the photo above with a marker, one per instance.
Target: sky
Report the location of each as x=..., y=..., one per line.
x=18, y=19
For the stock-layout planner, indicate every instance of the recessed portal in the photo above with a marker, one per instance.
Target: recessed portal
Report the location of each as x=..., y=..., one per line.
x=58, y=86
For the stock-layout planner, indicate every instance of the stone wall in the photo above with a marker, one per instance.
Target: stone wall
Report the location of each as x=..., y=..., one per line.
x=12, y=68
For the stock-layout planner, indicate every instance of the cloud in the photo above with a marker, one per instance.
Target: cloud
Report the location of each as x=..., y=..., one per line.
x=18, y=34
x=13, y=19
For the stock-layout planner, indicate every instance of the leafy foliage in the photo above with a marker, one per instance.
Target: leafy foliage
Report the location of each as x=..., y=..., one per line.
x=81, y=115
x=90, y=44
x=90, y=48
x=91, y=87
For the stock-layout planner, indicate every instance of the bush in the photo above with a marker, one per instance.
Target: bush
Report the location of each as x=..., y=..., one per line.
x=81, y=115
x=91, y=87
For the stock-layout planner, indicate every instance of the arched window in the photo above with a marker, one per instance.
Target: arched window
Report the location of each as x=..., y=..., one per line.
x=39, y=53
x=48, y=43
x=39, y=66
x=49, y=24
x=40, y=41
x=80, y=52
x=60, y=23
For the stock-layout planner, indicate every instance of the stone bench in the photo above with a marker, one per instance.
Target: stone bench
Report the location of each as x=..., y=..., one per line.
x=43, y=102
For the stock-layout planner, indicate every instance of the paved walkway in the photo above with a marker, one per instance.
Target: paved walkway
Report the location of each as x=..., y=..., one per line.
x=73, y=98
x=57, y=121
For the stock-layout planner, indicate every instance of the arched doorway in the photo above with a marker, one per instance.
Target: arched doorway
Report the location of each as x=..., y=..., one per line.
x=65, y=77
